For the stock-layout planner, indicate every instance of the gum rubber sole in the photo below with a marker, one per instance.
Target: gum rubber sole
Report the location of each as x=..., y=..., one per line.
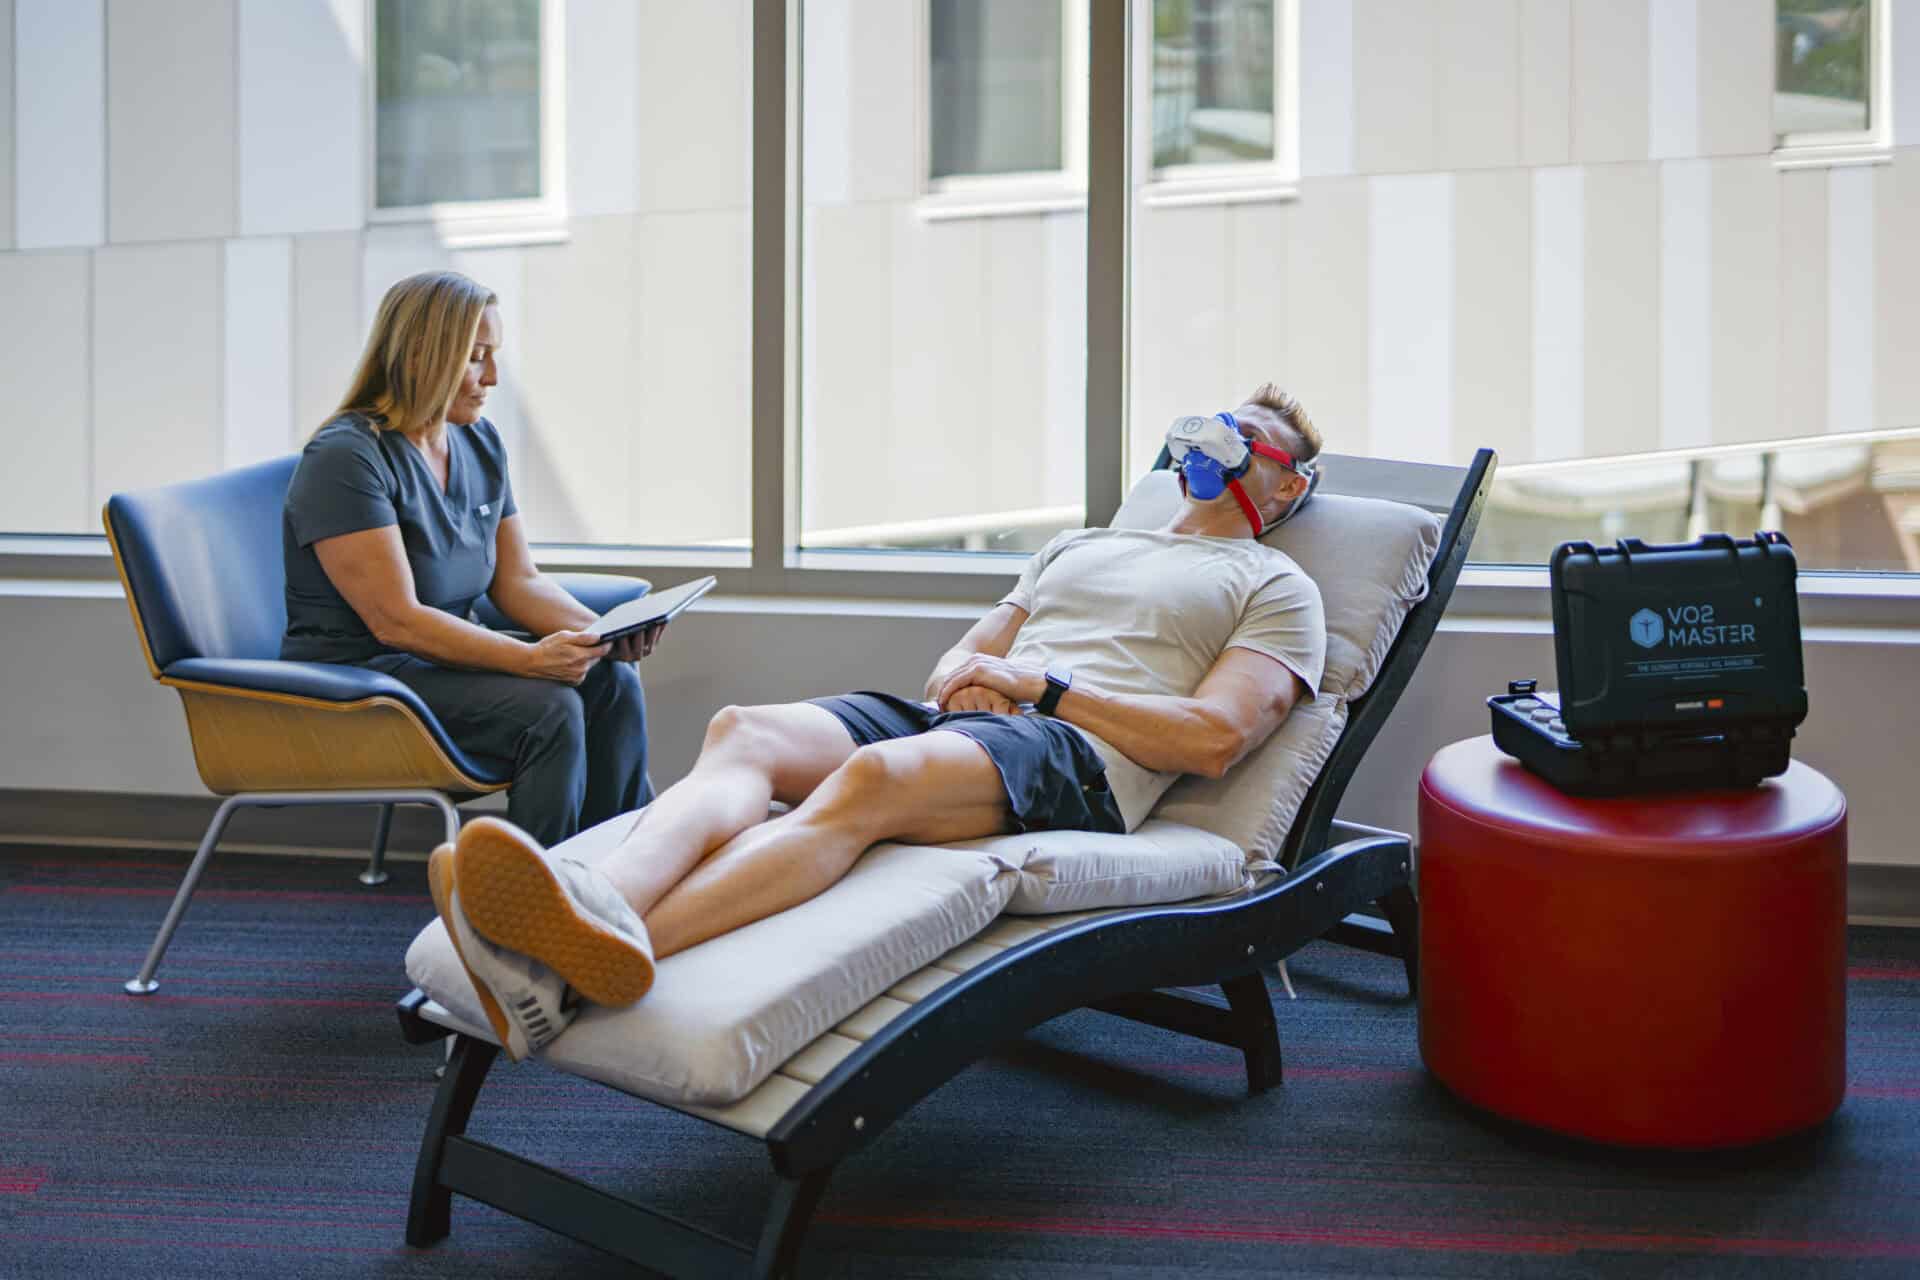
x=513, y=899
x=440, y=884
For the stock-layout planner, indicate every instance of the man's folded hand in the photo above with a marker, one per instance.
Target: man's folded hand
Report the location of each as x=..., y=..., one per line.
x=976, y=697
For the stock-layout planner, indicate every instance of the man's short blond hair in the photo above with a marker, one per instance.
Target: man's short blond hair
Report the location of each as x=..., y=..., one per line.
x=1306, y=436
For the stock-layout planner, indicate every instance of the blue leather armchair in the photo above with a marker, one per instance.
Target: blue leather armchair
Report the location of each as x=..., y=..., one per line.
x=201, y=564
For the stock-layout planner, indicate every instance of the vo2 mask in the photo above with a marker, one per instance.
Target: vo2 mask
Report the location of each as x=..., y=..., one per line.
x=1212, y=454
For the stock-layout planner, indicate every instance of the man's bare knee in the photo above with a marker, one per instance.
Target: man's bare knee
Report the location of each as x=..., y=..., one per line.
x=740, y=735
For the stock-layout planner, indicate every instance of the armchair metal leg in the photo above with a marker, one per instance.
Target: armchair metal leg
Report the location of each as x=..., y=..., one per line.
x=376, y=872
x=143, y=984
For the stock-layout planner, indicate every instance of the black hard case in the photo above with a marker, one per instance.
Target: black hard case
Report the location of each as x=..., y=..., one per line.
x=1646, y=638
x=1679, y=667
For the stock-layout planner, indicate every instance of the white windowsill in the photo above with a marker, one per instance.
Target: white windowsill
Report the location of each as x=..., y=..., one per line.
x=462, y=227
x=984, y=202
x=1831, y=155
x=1177, y=192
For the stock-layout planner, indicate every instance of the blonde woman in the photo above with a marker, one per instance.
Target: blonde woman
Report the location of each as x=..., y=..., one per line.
x=400, y=516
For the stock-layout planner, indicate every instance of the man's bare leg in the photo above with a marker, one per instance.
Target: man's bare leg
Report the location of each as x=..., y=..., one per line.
x=751, y=756
x=934, y=787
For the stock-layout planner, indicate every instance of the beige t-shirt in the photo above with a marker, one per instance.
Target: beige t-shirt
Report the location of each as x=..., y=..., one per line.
x=1136, y=611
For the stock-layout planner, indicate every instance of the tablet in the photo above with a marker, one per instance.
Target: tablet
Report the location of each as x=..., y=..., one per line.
x=656, y=606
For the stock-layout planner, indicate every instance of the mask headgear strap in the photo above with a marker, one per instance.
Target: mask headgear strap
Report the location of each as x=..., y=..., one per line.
x=1280, y=456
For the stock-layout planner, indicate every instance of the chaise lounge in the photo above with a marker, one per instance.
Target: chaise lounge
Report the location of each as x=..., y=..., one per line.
x=813, y=1030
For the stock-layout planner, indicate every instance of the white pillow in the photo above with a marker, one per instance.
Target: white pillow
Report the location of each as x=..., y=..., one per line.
x=1370, y=560
x=1088, y=870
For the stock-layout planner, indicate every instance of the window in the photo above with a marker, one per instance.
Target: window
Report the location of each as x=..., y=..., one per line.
x=1219, y=78
x=1004, y=106
x=1831, y=79
x=466, y=111
x=996, y=87
x=1212, y=82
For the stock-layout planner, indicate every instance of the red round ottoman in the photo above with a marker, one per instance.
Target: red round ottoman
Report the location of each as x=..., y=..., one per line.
x=1655, y=970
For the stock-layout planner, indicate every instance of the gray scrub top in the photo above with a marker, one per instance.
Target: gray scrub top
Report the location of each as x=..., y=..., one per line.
x=352, y=477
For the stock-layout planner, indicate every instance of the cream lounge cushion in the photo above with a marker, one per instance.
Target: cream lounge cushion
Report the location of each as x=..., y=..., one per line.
x=724, y=1015
x=1370, y=560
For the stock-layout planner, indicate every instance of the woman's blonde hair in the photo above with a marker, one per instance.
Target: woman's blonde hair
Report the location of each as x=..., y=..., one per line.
x=418, y=350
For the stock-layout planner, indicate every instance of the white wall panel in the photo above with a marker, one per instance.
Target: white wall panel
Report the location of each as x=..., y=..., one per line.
x=156, y=366
x=1622, y=326
x=883, y=95
x=6, y=124
x=258, y=398
x=1326, y=87
x=827, y=114
x=1184, y=304
x=1260, y=235
x=1394, y=85
x=693, y=85
x=1559, y=313
x=938, y=298
x=1546, y=79
x=1804, y=288
x=327, y=329
x=60, y=123
x=1896, y=295
x=1736, y=77
x=44, y=378
x=1686, y=304
x=1850, y=254
x=1012, y=423
x=603, y=106
x=1410, y=309
x=171, y=132
x=391, y=253
x=692, y=367
x=848, y=334
x=1327, y=272
x=1066, y=370
x=1746, y=298
x=1906, y=73
x=303, y=135
x=1476, y=110
x=572, y=350
x=1493, y=313
x=1610, y=71
x=1673, y=111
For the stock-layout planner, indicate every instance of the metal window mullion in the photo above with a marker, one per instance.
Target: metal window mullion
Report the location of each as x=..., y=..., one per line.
x=775, y=170
x=1107, y=209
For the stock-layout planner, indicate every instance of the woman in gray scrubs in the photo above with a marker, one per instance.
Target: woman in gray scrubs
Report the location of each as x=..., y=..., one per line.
x=400, y=516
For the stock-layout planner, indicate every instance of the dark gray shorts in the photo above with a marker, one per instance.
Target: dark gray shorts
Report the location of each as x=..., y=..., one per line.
x=1055, y=780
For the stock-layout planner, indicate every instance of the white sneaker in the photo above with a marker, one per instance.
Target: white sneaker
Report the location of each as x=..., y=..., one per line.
x=526, y=1003
x=562, y=913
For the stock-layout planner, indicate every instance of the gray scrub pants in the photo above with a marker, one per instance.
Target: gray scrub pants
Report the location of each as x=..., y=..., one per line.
x=579, y=755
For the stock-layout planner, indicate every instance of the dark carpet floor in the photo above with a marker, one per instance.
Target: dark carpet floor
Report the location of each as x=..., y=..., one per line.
x=260, y=1116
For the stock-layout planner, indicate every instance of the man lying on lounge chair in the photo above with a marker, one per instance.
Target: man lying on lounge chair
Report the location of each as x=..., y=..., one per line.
x=1122, y=659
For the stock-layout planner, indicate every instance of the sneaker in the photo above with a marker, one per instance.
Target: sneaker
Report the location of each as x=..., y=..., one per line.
x=526, y=1003
x=562, y=913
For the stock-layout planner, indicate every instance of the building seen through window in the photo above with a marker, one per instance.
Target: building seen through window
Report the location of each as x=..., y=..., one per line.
x=1213, y=81
x=457, y=91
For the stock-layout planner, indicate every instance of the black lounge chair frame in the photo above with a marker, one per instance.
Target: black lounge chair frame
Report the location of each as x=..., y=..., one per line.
x=1122, y=963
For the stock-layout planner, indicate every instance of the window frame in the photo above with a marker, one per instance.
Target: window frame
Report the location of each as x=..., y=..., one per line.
x=480, y=224
x=993, y=194
x=1872, y=145
x=774, y=574
x=1231, y=183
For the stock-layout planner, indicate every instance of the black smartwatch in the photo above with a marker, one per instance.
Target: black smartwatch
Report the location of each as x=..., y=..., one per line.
x=1057, y=684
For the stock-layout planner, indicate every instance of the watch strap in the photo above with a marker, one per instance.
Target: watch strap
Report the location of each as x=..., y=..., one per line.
x=1057, y=684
